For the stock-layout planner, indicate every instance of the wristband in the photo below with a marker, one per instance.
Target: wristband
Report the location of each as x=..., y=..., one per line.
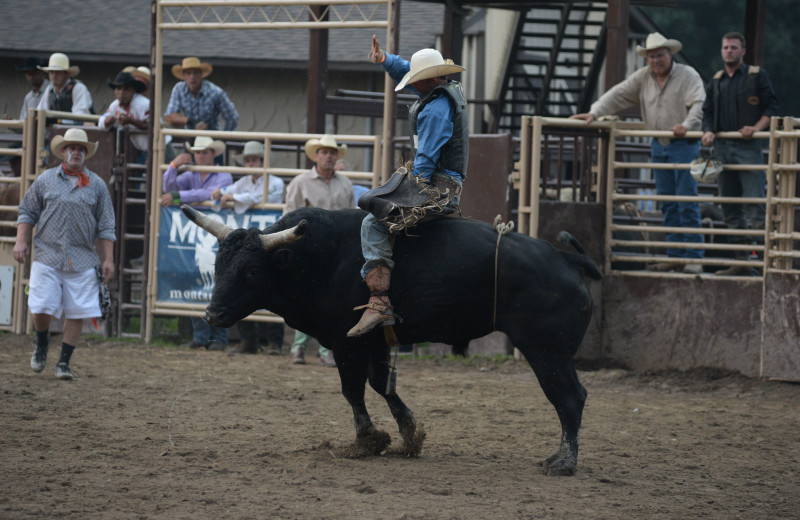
x=384, y=56
x=172, y=164
x=176, y=197
x=190, y=122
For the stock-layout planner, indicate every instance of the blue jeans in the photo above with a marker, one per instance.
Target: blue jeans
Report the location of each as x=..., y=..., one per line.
x=204, y=334
x=678, y=182
x=375, y=244
x=750, y=183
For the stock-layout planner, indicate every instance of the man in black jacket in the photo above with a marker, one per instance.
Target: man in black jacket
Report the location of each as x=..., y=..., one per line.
x=739, y=98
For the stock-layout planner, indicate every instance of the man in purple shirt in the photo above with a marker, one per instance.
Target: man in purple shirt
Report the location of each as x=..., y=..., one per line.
x=190, y=187
x=440, y=135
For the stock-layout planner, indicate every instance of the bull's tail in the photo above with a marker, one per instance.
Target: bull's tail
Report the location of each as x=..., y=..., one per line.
x=581, y=260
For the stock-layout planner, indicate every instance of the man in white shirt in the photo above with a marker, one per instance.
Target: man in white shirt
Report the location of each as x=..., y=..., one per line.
x=130, y=111
x=249, y=189
x=65, y=93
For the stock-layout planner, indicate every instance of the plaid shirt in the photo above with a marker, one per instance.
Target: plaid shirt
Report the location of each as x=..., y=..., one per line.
x=69, y=219
x=209, y=104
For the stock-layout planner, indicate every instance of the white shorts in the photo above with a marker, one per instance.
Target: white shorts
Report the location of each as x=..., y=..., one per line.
x=52, y=292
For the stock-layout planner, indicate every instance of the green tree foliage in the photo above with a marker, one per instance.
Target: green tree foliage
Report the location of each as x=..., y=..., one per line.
x=700, y=26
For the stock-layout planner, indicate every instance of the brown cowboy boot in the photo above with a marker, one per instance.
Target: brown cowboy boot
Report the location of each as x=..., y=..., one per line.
x=378, y=311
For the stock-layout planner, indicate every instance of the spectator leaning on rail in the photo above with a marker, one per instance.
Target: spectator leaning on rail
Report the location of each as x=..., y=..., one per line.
x=739, y=98
x=670, y=96
x=191, y=187
x=65, y=93
x=440, y=135
x=319, y=187
x=71, y=209
x=249, y=189
x=131, y=111
x=196, y=103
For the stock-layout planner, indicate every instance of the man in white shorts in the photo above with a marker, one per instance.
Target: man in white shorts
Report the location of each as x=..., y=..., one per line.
x=72, y=208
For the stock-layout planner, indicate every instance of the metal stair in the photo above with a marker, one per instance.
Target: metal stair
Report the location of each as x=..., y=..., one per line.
x=555, y=61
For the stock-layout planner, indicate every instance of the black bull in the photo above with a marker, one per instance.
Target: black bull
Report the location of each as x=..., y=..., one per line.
x=443, y=288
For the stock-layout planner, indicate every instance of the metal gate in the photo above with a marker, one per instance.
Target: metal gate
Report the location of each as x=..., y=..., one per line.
x=652, y=320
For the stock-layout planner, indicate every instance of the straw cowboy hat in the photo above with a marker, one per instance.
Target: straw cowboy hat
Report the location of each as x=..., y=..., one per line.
x=326, y=141
x=428, y=63
x=251, y=148
x=126, y=78
x=202, y=142
x=191, y=62
x=72, y=136
x=141, y=74
x=59, y=61
x=656, y=41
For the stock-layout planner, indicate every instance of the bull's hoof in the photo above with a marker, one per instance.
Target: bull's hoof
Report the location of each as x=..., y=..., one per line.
x=370, y=445
x=413, y=437
x=560, y=466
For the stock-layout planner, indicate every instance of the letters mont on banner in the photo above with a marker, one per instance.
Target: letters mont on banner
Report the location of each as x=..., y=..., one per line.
x=186, y=252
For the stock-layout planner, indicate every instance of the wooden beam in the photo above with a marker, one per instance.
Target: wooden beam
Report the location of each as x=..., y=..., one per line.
x=317, y=76
x=453, y=36
x=755, y=20
x=616, y=41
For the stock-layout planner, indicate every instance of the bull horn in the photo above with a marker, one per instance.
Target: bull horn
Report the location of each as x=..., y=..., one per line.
x=215, y=227
x=287, y=236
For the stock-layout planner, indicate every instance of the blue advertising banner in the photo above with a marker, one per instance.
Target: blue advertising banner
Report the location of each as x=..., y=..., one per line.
x=186, y=252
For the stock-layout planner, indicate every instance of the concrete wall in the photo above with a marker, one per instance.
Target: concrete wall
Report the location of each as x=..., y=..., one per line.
x=683, y=323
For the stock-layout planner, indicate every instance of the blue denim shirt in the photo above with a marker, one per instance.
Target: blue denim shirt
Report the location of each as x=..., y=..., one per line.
x=434, y=124
x=210, y=103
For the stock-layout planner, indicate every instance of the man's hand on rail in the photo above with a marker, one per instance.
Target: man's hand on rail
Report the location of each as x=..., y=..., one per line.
x=679, y=130
x=747, y=131
x=588, y=117
x=707, y=139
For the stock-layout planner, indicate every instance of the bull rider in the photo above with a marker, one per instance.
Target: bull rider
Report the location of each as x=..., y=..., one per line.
x=440, y=135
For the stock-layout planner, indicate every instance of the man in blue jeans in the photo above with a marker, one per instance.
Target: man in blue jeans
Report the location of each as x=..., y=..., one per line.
x=740, y=99
x=670, y=96
x=440, y=137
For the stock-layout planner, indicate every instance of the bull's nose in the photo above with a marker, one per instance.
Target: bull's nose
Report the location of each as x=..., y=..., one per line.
x=213, y=317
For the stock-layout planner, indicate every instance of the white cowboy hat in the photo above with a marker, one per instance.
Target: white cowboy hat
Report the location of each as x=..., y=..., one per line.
x=60, y=62
x=251, y=148
x=191, y=62
x=72, y=136
x=202, y=142
x=427, y=63
x=326, y=141
x=656, y=41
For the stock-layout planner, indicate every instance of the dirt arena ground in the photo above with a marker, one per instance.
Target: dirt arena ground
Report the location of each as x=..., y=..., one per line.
x=156, y=432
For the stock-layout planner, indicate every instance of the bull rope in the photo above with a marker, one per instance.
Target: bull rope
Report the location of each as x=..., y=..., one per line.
x=501, y=228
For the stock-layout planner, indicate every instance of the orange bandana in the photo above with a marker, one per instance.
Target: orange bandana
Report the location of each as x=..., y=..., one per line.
x=83, y=179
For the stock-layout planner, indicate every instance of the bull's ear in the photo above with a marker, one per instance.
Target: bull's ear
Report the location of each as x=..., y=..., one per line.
x=283, y=258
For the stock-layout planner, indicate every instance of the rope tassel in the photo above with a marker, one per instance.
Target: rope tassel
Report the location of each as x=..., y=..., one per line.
x=501, y=228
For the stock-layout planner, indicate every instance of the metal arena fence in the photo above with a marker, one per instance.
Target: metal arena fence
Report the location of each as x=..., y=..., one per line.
x=604, y=162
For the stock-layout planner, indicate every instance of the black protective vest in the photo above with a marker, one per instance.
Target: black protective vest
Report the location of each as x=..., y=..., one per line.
x=748, y=104
x=456, y=151
x=62, y=101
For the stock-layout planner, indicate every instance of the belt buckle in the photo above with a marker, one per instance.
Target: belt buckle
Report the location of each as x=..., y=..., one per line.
x=664, y=141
